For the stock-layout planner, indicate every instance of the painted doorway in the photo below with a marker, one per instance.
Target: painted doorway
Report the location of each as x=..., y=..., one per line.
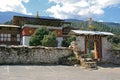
x=94, y=43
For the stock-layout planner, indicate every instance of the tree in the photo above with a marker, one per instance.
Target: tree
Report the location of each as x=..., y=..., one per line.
x=50, y=40
x=9, y=22
x=38, y=36
x=66, y=42
x=115, y=40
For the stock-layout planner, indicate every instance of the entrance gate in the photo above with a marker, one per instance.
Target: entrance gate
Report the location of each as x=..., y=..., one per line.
x=101, y=45
x=97, y=45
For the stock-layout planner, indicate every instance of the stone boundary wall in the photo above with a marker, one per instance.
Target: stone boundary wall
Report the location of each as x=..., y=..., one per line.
x=32, y=55
x=115, y=57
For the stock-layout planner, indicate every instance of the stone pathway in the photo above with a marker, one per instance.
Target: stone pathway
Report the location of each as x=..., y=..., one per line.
x=36, y=72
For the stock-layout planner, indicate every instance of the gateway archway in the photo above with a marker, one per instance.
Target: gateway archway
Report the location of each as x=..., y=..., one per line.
x=96, y=40
x=99, y=39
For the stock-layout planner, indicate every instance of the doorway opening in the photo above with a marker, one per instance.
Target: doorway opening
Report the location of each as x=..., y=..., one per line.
x=93, y=47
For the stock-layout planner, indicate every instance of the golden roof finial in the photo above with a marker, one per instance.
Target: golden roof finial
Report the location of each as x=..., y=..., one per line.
x=37, y=15
x=90, y=24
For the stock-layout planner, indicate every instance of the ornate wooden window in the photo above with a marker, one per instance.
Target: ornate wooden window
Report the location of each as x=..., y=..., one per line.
x=5, y=37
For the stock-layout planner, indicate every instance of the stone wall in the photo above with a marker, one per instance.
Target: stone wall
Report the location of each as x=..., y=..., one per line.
x=106, y=46
x=80, y=41
x=115, y=57
x=32, y=55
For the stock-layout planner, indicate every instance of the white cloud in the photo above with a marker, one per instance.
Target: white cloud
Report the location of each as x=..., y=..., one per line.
x=79, y=8
x=13, y=5
x=100, y=21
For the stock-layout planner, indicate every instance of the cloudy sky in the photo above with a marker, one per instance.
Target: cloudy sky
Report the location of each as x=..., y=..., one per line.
x=100, y=10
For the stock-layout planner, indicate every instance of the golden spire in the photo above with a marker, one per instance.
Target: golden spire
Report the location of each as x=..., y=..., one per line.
x=90, y=24
x=37, y=15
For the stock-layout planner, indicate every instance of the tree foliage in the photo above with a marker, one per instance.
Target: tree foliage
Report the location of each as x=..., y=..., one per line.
x=115, y=40
x=66, y=42
x=103, y=26
x=9, y=22
x=50, y=40
x=44, y=37
x=38, y=36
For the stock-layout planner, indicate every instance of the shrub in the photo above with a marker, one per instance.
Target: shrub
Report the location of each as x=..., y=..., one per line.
x=49, y=40
x=38, y=36
x=66, y=42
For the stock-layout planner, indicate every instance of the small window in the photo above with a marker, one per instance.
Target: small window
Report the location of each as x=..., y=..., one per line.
x=18, y=35
x=9, y=35
x=1, y=35
x=18, y=39
x=5, y=35
x=5, y=39
x=9, y=39
x=1, y=39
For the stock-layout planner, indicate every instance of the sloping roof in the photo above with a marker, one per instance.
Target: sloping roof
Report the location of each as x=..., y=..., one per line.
x=2, y=25
x=38, y=26
x=82, y=32
x=31, y=17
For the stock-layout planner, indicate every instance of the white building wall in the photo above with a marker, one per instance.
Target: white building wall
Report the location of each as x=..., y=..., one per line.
x=59, y=39
x=80, y=41
x=106, y=46
x=25, y=40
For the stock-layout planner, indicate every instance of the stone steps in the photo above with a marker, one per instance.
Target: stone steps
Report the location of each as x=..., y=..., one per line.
x=87, y=62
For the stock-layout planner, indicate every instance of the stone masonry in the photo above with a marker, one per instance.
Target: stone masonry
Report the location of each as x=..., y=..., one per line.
x=32, y=55
x=115, y=57
x=39, y=55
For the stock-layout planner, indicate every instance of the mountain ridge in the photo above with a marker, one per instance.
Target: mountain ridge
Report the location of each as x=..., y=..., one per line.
x=8, y=16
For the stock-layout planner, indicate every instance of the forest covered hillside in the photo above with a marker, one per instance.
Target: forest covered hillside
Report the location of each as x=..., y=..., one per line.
x=97, y=26
x=102, y=26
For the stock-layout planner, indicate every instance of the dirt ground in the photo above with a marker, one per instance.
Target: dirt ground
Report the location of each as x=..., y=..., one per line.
x=58, y=72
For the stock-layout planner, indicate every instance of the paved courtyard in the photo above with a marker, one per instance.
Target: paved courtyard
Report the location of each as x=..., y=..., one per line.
x=37, y=72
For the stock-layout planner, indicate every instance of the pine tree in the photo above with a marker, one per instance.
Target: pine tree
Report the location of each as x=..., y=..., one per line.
x=38, y=36
x=50, y=40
